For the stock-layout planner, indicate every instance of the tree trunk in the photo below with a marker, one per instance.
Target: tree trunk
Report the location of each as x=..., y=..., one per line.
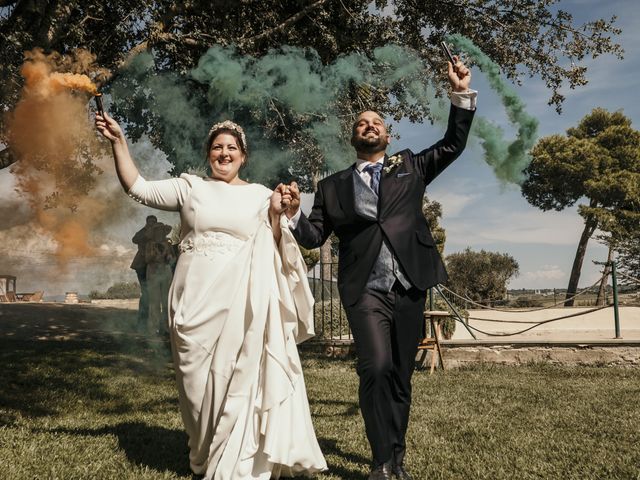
x=325, y=260
x=589, y=227
x=603, y=284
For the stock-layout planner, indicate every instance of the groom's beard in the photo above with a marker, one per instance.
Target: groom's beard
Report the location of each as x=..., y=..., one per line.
x=369, y=145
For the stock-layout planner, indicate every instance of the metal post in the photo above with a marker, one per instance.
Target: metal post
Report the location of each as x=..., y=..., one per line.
x=616, y=313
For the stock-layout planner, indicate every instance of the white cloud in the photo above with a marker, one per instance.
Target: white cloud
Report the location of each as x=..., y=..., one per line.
x=26, y=241
x=546, y=272
x=505, y=224
x=454, y=203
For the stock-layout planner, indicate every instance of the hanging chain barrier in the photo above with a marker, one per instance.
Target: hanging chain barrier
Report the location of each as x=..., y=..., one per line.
x=537, y=309
x=332, y=325
x=536, y=324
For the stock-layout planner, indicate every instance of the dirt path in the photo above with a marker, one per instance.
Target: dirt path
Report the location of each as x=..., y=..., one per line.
x=598, y=325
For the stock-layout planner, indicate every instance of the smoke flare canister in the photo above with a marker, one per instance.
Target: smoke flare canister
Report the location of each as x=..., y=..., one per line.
x=99, y=106
x=447, y=52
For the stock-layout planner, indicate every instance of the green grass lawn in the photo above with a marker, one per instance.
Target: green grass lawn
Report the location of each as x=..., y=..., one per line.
x=77, y=402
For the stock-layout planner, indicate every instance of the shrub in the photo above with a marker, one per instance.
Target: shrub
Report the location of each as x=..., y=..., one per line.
x=526, y=302
x=481, y=276
x=121, y=290
x=311, y=257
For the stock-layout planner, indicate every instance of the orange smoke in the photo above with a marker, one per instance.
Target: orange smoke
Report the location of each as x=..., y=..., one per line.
x=42, y=82
x=54, y=140
x=69, y=230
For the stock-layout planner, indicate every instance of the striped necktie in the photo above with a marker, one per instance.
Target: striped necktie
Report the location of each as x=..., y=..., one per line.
x=374, y=169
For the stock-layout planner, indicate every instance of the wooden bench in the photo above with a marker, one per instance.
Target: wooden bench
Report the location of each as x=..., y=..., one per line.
x=432, y=343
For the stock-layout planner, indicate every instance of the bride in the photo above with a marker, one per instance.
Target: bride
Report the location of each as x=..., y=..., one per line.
x=238, y=304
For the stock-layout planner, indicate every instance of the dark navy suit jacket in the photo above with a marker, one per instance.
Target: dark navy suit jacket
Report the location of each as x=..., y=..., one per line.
x=400, y=217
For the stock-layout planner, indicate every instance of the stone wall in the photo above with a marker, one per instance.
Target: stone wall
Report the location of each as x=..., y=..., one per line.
x=622, y=355
x=456, y=355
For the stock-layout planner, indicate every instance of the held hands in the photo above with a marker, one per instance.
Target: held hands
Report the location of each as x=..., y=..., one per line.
x=285, y=198
x=459, y=76
x=109, y=128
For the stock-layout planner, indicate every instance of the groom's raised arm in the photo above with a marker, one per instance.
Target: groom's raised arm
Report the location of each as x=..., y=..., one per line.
x=431, y=161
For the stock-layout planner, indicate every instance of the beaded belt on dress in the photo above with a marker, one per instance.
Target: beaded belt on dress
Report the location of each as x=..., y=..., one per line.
x=211, y=243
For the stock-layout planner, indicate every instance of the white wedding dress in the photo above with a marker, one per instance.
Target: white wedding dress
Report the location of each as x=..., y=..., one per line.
x=238, y=305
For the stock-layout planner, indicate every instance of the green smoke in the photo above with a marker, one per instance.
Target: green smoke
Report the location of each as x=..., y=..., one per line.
x=293, y=85
x=140, y=96
x=289, y=82
x=295, y=80
x=507, y=159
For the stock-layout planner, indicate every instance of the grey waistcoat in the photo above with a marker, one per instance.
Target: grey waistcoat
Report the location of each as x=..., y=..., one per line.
x=386, y=269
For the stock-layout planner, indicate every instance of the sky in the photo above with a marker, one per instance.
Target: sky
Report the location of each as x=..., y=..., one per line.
x=478, y=211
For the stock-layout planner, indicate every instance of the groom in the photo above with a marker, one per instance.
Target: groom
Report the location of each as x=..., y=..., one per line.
x=388, y=260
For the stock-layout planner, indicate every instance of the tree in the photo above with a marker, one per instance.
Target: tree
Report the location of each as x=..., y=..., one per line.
x=121, y=290
x=432, y=211
x=481, y=276
x=621, y=235
x=598, y=160
x=607, y=240
x=628, y=260
x=522, y=36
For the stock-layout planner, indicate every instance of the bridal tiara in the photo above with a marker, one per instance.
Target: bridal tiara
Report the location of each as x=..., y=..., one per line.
x=228, y=124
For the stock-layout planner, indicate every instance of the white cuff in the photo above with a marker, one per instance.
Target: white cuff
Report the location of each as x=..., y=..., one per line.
x=466, y=100
x=293, y=221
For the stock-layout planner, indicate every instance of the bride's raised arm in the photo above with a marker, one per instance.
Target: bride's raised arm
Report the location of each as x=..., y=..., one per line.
x=125, y=168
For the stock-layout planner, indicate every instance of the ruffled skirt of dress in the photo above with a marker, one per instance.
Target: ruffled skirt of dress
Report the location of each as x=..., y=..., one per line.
x=235, y=321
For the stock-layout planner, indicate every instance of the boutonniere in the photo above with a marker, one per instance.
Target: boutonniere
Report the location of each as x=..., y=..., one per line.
x=393, y=162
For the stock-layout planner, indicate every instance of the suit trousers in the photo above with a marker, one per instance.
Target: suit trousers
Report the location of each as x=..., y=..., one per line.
x=387, y=328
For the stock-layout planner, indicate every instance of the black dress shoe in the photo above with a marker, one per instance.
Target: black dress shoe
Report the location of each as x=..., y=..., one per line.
x=400, y=473
x=382, y=472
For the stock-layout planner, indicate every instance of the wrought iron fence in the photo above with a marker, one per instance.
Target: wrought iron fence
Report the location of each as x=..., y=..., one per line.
x=330, y=318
